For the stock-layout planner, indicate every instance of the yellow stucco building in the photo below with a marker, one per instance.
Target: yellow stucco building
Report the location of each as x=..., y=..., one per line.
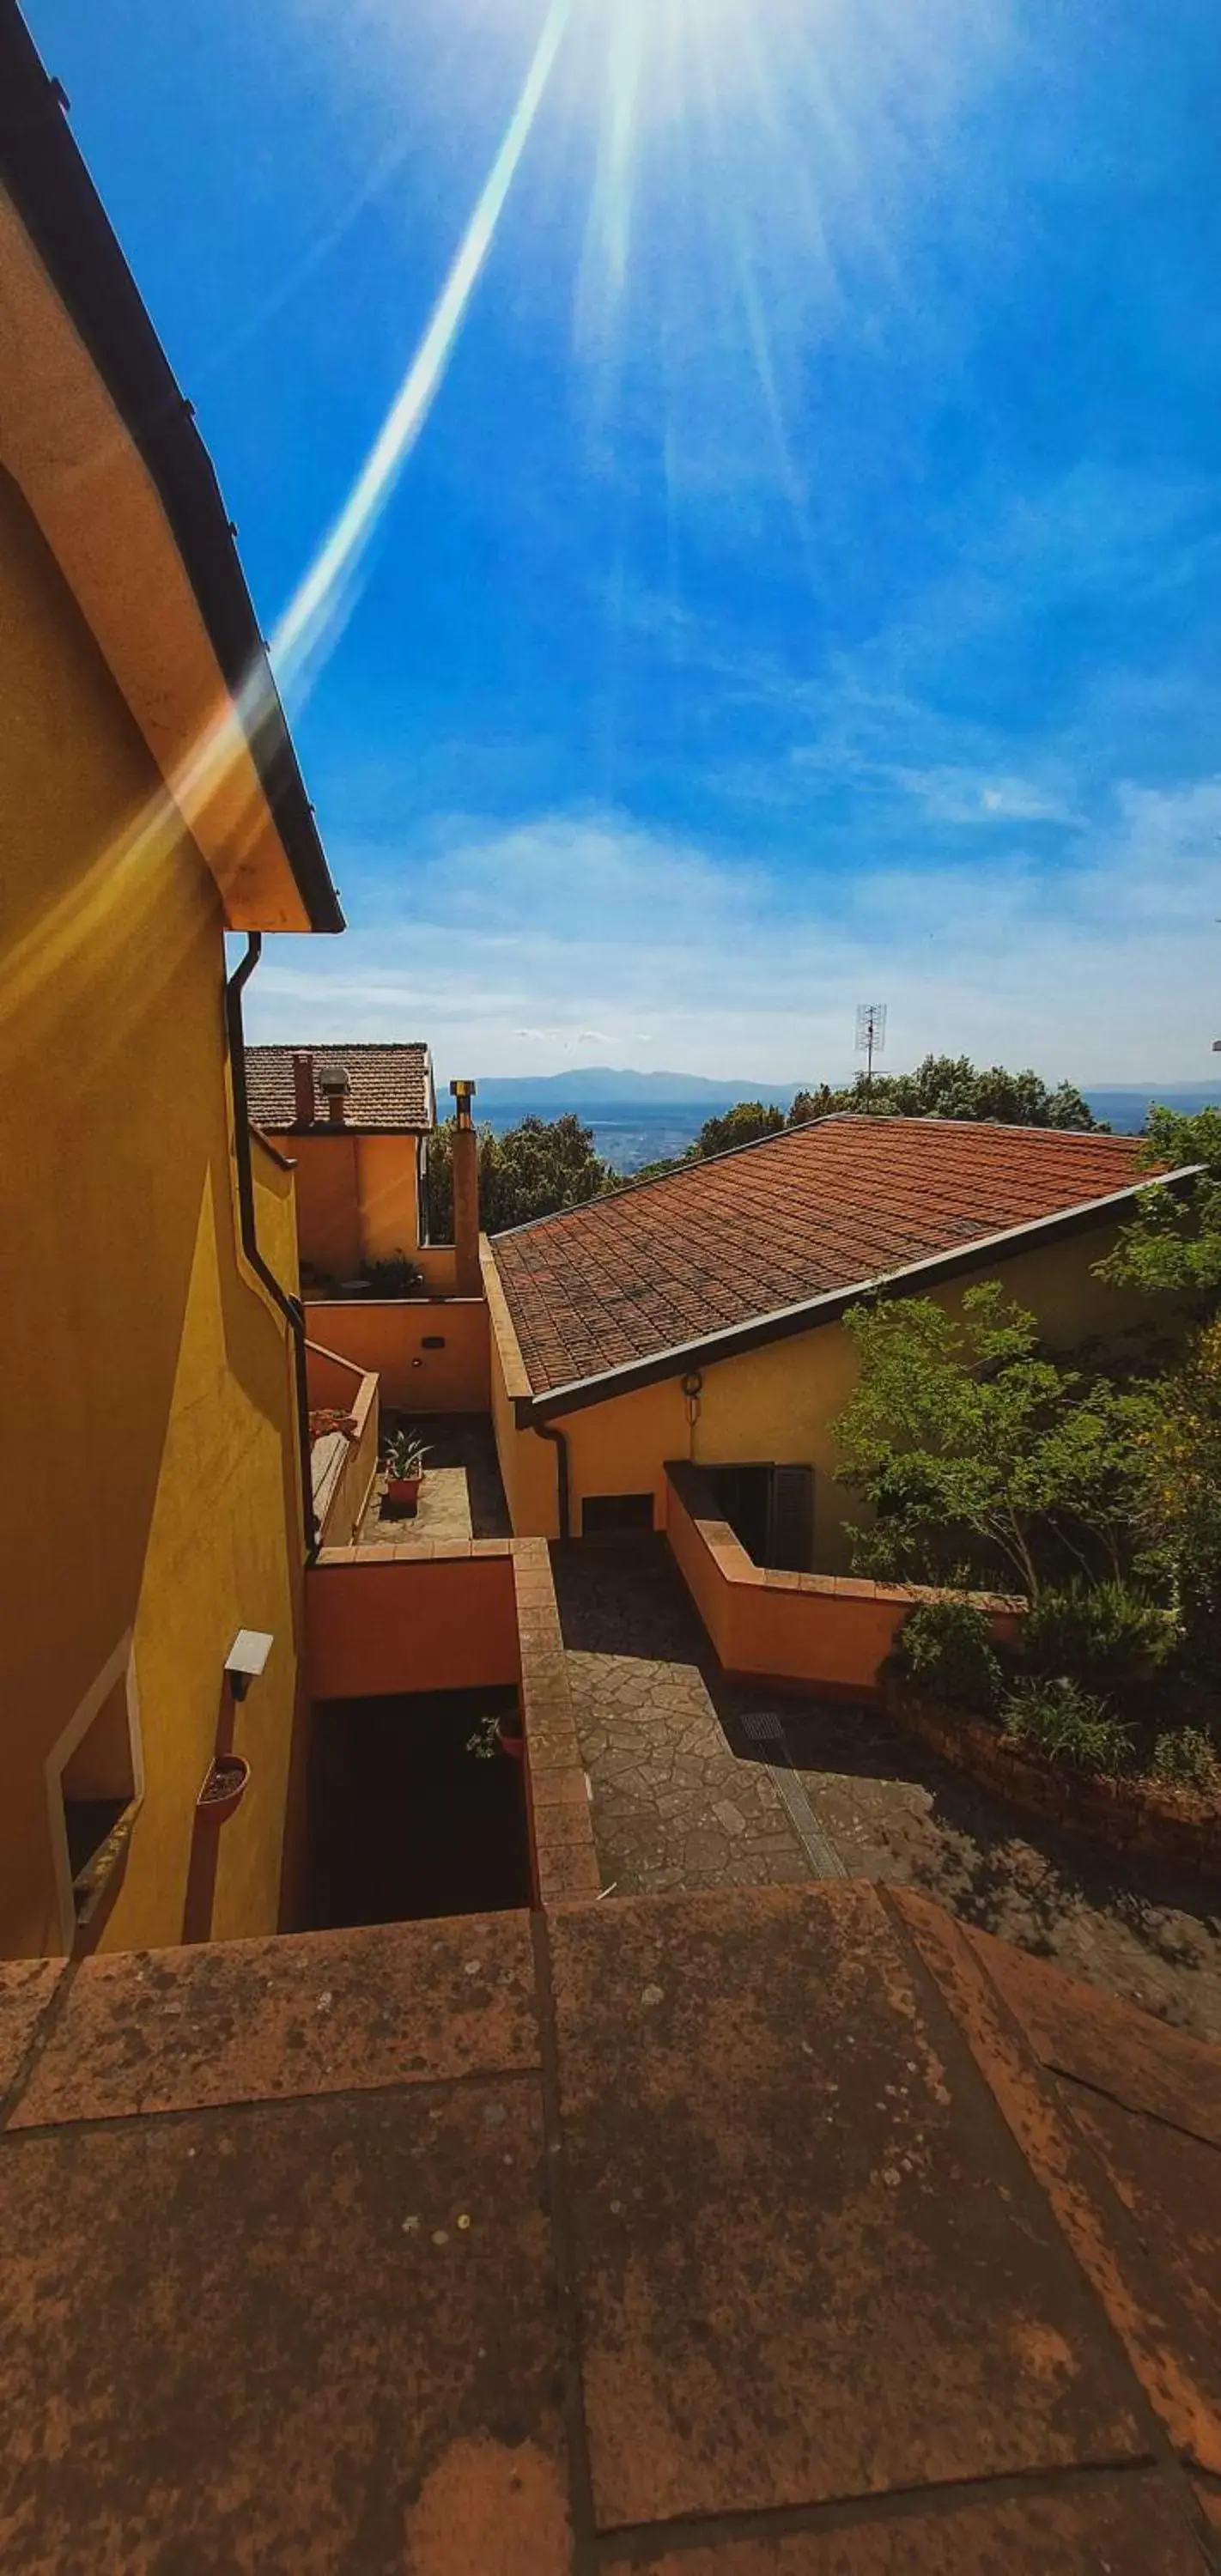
x=153, y=1501
x=697, y=1316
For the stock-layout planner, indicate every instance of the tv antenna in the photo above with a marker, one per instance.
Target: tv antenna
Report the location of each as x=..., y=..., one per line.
x=870, y=1037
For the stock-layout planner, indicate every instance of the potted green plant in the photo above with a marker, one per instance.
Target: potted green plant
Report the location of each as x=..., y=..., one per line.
x=497, y=1735
x=405, y=1456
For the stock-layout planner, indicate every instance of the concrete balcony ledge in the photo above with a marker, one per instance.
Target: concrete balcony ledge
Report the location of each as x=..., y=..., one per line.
x=342, y=1465
x=828, y=1632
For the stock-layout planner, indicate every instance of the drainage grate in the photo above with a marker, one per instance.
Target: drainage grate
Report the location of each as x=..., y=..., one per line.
x=763, y=1727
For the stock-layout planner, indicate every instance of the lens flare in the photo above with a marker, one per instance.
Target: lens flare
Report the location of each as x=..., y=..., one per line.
x=313, y=605
x=217, y=774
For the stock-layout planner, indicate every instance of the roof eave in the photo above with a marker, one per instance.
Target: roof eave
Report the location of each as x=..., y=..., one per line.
x=56, y=203
x=785, y=1321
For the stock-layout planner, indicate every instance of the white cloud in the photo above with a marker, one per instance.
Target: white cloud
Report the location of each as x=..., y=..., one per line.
x=518, y=949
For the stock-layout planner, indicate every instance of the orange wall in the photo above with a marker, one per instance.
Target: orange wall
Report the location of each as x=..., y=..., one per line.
x=389, y=1334
x=410, y=1624
x=825, y=1631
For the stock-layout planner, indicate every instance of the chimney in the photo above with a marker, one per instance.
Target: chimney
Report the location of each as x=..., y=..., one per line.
x=303, y=1090
x=469, y=1279
x=335, y=1085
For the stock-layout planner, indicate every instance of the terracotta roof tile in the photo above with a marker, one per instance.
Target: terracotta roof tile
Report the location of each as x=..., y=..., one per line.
x=819, y=1208
x=391, y=1085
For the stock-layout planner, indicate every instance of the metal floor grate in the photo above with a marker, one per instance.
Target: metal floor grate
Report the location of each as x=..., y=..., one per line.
x=763, y=1727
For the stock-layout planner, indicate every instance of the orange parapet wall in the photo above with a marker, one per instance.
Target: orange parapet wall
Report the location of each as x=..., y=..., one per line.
x=430, y=1353
x=379, y=1623
x=822, y=1631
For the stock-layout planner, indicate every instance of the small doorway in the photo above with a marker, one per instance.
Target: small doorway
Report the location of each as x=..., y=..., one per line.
x=771, y=1510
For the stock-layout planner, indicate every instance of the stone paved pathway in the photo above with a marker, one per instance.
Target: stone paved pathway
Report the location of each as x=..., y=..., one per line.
x=672, y=1804
x=685, y=1795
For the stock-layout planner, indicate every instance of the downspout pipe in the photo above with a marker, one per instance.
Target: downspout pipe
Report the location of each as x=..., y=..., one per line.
x=290, y=1307
x=551, y=1431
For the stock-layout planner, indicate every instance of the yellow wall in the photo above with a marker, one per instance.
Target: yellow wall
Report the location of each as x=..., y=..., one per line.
x=328, y=1203
x=775, y=1404
x=151, y=1477
x=389, y=1194
x=356, y=1198
x=275, y=1213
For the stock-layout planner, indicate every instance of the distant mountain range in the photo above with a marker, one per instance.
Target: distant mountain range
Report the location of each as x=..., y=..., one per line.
x=606, y=1086
x=590, y=1086
x=640, y=1118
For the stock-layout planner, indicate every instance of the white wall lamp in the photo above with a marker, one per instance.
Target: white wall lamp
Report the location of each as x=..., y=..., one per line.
x=246, y=1658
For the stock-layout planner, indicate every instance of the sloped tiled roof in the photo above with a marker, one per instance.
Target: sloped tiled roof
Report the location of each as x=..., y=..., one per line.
x=817, y=1209
x=391, y=1085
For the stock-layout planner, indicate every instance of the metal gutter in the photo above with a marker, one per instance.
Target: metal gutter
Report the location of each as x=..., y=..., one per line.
x=551, y=1431
x=292, y=1311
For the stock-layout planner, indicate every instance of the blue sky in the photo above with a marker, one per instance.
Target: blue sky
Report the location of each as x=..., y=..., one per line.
x=805, y=586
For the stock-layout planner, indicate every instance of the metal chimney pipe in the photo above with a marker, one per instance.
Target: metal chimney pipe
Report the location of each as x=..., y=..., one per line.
x=469, y=1278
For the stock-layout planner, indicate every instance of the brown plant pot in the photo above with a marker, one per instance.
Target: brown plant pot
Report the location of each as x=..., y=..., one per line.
x=510, y=1738
x=223, y=1790
x=403, y=1493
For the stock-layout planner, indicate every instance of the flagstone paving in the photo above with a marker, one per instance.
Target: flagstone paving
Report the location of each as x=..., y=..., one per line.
x=687, y=1777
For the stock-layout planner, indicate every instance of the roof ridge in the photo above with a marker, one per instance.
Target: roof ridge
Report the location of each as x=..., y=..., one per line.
x=320, y=1046
x=805, y=1127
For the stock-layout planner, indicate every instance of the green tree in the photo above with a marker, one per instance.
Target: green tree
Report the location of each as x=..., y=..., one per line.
x=1181, y=1446
x=946, y=1086
x=530, y=1171
x=982, y=1456
x=1174, y=1243
x=744, y=1124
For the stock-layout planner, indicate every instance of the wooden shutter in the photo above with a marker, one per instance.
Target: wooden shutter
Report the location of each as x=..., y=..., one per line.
x=792, y=1547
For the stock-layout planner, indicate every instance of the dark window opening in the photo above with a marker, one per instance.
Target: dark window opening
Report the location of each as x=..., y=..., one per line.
x=602, y=1513
x=771, y=1510
x=98, y=1789
x=403, y=1821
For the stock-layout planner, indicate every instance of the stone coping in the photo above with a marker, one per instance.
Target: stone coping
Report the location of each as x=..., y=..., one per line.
x=691, y=1485
x=786, y=2229
x=336, y=1460
x=564, y=1854
x=1181, y=1828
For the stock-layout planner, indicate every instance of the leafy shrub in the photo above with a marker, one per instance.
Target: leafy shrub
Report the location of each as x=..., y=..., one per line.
x=1066, y=1724
x=1184, y=1758
x=1103, y=1635
x=945, y=1648
x=394, y=1275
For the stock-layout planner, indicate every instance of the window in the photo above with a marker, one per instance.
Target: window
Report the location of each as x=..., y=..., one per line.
x=602, y=1513
x=95, y=1781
